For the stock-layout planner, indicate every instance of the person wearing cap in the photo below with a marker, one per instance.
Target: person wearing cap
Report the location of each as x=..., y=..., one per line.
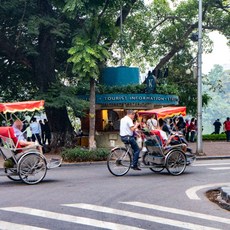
x=127, y=128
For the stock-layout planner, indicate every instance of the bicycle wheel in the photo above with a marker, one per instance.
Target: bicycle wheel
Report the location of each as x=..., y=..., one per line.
x=12, y=174
x=32, y=168
x=119, y=161
x=175, y=162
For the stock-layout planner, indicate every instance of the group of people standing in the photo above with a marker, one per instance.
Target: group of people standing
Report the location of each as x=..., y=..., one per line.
x=35, y=131
x=226, y=127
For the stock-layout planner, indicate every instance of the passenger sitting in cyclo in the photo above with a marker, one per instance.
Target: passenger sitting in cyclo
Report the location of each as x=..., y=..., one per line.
x=165, y=141
x=17, y=144
x=17, y=126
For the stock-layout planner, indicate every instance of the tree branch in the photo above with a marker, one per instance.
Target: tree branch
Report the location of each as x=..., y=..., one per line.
x=12, y=53
x=176, y=48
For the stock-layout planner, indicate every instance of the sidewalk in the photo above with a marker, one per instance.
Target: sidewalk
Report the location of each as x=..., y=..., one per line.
x=211, y=149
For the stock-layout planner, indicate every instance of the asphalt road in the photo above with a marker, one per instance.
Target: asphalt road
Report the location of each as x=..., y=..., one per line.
x=89, y=197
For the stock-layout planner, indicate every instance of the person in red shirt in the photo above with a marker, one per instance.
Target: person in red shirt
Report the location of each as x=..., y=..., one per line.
x=227, y=128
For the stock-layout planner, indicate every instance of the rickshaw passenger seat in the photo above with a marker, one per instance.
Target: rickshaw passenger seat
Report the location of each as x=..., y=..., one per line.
x=158, y=135
x=8, y=132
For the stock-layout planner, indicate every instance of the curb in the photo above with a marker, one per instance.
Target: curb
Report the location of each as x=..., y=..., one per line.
x=212, y=157
x=225, y=194
x=198, y=158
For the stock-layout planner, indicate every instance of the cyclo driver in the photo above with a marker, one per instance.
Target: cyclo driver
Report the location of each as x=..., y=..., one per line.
x=127, y=128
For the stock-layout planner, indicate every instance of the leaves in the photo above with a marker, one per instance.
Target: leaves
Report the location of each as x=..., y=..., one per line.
x=86, y=58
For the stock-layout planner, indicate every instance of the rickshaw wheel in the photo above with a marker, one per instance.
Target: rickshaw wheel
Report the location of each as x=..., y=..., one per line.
x=32, y=168
x=12, y=174
x=157, y=168
x=175, y=162
x=119, y=161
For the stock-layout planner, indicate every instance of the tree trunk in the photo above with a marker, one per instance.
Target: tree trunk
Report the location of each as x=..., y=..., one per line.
x=44, y=71
x=92, y=115
x=61, y=128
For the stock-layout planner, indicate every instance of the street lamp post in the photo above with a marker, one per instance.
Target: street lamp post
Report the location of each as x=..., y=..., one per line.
x=199, y=149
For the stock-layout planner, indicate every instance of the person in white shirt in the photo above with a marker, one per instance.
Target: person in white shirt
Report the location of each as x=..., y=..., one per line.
x=36, y=130
x=152, y=123
x=127, y=128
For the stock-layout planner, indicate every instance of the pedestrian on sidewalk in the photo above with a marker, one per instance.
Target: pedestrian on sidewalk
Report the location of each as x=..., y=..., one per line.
x=227, y=129
x=217, y=124
x=36, y=130
x=193, y=129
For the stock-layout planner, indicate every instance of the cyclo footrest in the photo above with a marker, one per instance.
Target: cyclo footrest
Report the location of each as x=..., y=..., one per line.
x=54, y=163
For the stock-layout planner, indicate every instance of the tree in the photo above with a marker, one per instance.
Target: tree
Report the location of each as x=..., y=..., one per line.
x=35, y=37
x=216, y=85
x=90, y=47
x=160, y=36
x=31, y=41
x=86, y=58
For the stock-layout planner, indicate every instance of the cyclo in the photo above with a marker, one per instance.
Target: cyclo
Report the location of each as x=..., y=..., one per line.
x=26, y=164
x=173, y=158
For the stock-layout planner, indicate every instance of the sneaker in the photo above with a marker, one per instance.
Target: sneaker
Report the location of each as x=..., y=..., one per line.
x=135, y=168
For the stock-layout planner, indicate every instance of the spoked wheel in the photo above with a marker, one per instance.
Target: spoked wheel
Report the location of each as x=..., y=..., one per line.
x=176, y=162
x=157, y=168
x=119, y=161
x=12, y=174
x=32, y=168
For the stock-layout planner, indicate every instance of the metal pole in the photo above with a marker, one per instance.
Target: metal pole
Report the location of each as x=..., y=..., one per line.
x=121, y=31
x=199, y=84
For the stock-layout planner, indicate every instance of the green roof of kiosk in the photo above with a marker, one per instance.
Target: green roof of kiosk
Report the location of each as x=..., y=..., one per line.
x=120, y=76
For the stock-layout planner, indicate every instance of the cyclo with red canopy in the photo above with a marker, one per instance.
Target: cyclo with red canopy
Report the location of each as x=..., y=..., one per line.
x=173, y=158
x=25, y=164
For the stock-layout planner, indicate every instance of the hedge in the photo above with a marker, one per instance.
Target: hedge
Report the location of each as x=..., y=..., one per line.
x=79, y=154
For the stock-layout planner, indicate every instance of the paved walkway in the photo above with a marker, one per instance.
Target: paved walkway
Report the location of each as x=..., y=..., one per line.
x=214, y=148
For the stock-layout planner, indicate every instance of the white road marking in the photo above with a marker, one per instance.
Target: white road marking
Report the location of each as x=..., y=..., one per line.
x=180, y=212
x=192, y=192
x=69, y=218
x=11, y=226
x=165, y=221
x=210, y=164
x=220, y=168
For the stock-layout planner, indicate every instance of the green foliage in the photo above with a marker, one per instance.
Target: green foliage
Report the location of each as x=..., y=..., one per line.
x=121, y=89
x=82, y=154
x=216, y=86
x=86, y=58
x=60, y=95
x=214, y=137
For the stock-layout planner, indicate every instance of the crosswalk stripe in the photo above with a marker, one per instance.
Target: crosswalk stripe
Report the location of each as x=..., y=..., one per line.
x=11, y=226
x=69, y=218
x=220, y=168
x=165, y=221
x=180, y=212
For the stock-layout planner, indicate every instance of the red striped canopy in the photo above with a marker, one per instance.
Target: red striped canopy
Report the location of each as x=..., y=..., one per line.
x=165, y=112
x=23, y=106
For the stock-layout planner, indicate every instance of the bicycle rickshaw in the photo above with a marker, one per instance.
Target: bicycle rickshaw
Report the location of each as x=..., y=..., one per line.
x=173, y=158
x=26, y=164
